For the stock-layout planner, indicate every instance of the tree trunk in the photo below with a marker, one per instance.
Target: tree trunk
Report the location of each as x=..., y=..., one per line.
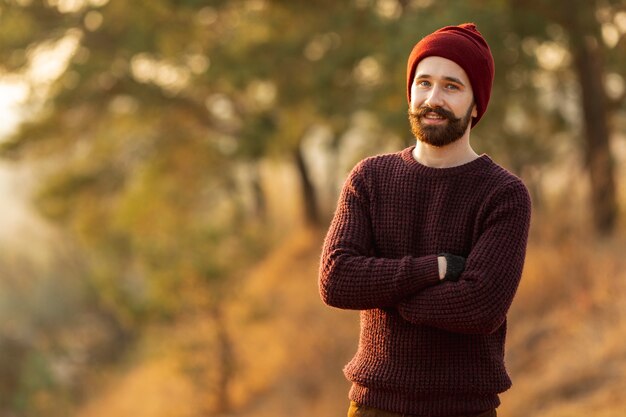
x=260, y=202
x=587, y=52
x=309, y=195
x=225, y=363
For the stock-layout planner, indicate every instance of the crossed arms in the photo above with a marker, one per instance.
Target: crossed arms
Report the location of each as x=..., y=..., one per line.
x=352, y=277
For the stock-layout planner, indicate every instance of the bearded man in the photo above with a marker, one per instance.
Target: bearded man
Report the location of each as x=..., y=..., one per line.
x=429, y=244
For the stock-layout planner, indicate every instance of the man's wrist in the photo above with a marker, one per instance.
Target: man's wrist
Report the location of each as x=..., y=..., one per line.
x=454, y=266
x=442, y=264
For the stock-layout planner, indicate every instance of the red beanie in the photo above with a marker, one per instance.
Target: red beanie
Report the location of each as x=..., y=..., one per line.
x=464, y=45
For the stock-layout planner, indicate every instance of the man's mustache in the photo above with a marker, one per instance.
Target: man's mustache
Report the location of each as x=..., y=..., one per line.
x=422, y=111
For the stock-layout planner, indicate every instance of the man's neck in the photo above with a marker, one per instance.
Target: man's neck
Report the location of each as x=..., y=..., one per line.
x=454, y=154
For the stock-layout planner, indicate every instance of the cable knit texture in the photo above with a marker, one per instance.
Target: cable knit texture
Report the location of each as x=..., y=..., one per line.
x=427, y=347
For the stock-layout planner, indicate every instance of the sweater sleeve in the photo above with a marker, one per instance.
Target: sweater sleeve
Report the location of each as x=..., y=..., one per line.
x=479, y=301
x=351, y=276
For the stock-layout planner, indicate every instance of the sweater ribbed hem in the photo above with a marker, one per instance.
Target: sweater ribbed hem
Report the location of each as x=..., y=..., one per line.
x=426, y=405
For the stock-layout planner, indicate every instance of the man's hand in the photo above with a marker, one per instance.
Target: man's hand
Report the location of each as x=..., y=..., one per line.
x=450, y=266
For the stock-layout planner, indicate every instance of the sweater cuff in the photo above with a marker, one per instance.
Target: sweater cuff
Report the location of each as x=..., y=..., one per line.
x=415, y=274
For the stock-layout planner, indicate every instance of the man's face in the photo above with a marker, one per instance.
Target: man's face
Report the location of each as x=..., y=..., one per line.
x=442, y=102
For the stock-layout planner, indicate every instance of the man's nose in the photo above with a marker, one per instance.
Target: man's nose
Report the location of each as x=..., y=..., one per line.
x=434, y=98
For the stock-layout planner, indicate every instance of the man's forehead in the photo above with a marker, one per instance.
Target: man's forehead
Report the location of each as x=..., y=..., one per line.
x=439, y=67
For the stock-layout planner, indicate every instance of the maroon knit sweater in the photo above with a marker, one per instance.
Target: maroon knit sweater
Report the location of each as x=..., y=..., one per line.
x=427, y=347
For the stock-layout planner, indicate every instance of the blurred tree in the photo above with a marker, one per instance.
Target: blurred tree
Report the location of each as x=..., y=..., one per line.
x=150, y=141
x=307, y=52
x=582, y=24
x=136, y=139
x=143, y=134
x=54, y=331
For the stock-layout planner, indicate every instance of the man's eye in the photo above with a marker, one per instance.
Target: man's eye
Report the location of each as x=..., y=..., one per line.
x=452, y=87
x=423, y=84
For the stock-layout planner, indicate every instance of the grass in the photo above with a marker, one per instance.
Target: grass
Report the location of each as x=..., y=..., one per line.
x=565, y=347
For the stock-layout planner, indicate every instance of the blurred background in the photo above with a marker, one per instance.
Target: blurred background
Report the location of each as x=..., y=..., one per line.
x=168, y=170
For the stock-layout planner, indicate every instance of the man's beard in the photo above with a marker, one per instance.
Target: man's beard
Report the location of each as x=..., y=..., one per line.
x=439, y=136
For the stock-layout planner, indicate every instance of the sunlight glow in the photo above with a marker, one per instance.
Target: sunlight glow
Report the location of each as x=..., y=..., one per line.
x=93, y=20
x=610, y=35
x=368, y=71
x=620, y=21
x=123, y=104
x=256, y=5
x=221, y=107
x=67, y=6
x=389, y=9
x=147, y=69
x=516, y=120
x=320, y=45
x=207, y=16
x=46, y=63
x=198, y=63
x=74, y=6
x=263, y=93
x=13, y=93
x=49, y=60
x=615, y=86
x=552, y=56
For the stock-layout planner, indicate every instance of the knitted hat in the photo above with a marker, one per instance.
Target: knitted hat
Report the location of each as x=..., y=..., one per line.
x=464, y=45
